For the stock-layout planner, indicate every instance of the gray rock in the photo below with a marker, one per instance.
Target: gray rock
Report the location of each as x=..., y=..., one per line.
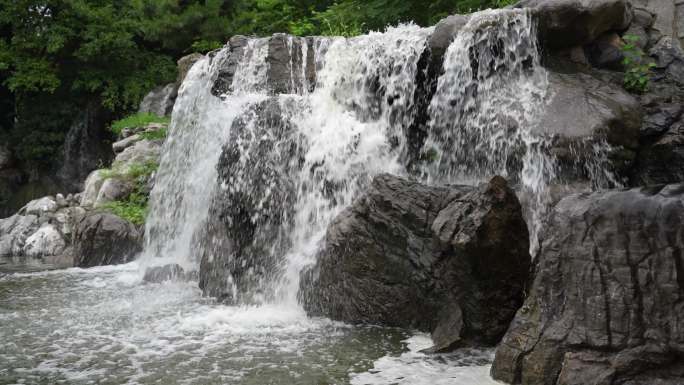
x=126, y=142
x=47, y=241
x=584, y=111
x=450, y=260
x=184, y=65
x=160, y=100
x=664, y=13
x=141, y=152
x=445, y=32
x=660, y=118
x=92, y=188
x=13, y=233
x=606, y=303
x=40, y=206
x=165, y=273
x=568, y=23
x=669, y=59
x=287, y=71
x=105, y=239
x=114, y=189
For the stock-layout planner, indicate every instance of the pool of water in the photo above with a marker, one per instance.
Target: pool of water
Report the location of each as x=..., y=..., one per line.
x=103, y=326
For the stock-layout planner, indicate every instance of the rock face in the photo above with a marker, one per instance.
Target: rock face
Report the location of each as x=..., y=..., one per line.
x=288, y=61
x=105, y=239
x=568, y=23
x=451, y=260
x=606, y=303
x=254, y=202
x=583, y=111
x=86, y=146
x=160, y=100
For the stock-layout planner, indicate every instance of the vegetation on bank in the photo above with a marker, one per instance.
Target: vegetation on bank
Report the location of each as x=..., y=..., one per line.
x=140, y=120
x=133, y=207
x=637, y=67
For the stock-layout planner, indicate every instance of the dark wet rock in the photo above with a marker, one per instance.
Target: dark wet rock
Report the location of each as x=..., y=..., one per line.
x=105, y=239
x=224, y=80
x=669, y=59
x=568, y=23
x=173, y=272
x=289, y=63
x=86, y=147
x=659, y=119
x=605, y=52
x=184, y=65
x=449, y=260
x=584, y=111
x=606, y=303
x=245, y=235
x=663, y=160
x=445, y=32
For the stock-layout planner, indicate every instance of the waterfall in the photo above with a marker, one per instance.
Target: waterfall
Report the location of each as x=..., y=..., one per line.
x=272, y=138
x=483, y=114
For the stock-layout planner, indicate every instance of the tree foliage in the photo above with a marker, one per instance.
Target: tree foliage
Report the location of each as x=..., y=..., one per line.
x=58, y=55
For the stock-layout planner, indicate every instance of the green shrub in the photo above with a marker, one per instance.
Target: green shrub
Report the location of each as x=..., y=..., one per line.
x=134, y=172
x=637, y=69
x=137, y=120
x=132, y=209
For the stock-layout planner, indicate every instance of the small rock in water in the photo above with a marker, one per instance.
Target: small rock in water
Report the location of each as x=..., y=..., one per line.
x=164, y=273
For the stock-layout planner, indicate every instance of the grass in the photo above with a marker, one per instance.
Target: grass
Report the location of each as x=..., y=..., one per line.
x=154, y=135
x=137, y=120
x=133, y=208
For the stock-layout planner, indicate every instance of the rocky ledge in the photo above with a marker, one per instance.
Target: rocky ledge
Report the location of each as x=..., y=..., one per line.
x=607, y=303
x=450, y=260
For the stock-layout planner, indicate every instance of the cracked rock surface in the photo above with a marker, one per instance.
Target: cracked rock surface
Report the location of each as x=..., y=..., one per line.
x=450, y=260
x=607, y=302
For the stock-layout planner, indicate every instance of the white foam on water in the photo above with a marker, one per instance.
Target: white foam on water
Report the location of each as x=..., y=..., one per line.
x=466, y=367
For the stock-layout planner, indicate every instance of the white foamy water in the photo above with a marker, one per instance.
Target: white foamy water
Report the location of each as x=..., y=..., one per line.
x=100, y=325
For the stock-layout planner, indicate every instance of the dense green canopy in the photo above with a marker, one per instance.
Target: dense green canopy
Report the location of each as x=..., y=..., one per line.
x=56, y=55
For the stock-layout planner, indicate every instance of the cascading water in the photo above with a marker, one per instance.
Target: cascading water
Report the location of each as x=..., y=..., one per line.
x=488, y=100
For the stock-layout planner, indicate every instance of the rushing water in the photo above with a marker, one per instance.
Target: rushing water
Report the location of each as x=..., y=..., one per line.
x=104, y=325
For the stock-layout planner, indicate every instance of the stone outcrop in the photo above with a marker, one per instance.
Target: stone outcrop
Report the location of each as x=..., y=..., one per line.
x=160, y=100
x=568, y=23
x=243, y=238
x=450, y=260
x=606, y=303
x=105, y=239
x=289, y=63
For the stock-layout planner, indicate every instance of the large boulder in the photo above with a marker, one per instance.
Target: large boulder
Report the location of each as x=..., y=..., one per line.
x=92, y=188
x=569, y=23
x=589, y=119
x=47, y=241
x=105, y=239
x=663, y=160
x=606, y=303
x=160, y=100
x=245, y=235
x=13, y=233
x=450, y=260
